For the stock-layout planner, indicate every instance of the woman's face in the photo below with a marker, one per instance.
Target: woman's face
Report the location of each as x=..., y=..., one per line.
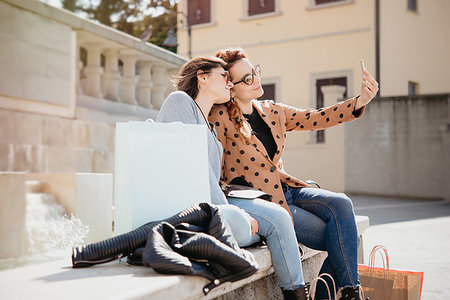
x=243, y=69
x=218, y=84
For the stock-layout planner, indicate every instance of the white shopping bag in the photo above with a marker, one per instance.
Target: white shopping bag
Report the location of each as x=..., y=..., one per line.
x=160, y=169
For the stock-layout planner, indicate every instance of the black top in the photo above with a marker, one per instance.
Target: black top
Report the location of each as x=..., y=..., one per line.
x=262, y=132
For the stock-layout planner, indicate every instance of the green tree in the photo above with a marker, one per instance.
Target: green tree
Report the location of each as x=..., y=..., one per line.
x=71, y=5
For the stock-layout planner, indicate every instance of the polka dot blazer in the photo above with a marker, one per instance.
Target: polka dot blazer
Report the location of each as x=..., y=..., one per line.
x=252, y=162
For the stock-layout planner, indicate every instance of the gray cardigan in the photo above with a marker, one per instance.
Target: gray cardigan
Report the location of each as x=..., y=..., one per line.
x=180, y=107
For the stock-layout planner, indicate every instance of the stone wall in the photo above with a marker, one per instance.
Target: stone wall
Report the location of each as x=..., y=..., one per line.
x=39, y=143
x=400, y=147
x=37, y=57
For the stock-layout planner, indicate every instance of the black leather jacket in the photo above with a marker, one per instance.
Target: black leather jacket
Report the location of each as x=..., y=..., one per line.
x=196, y=241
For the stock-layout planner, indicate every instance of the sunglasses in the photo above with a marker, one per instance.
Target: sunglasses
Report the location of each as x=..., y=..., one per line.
x=250, y=78
x=225, y=75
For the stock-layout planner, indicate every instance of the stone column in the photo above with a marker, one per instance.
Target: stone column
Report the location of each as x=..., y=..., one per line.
x=129, y=79
x=93, y=70
x=332, y=94
x=79, y=68
x=159, y=85
x=334, y=152
x=171, y=84
x=111, y=78
x=145, y=84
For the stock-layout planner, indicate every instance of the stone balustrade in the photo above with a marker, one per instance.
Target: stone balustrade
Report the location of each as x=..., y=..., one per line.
x=122, y=74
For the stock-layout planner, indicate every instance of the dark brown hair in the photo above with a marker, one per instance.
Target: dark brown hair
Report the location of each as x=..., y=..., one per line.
x=186, y=80
x=232, y=56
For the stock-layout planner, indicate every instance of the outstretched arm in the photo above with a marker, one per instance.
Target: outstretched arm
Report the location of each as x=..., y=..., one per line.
x=341, y=112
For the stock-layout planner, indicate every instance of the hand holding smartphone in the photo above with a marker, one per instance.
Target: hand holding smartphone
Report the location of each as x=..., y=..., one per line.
x=363, y=66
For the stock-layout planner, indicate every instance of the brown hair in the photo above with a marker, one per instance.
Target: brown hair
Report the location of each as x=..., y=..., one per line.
x=186, y=79
x=232, y=56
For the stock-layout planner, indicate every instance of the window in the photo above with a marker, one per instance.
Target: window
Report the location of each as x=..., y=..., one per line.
x=318, y=2
x=269, y=92
x=253, y=9
x=320, y=135
x=257, y=7
x=412, y=5
x=413, y=88
x=199, y=11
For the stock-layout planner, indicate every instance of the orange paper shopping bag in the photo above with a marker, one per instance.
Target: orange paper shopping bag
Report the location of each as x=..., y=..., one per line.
x=387, y=284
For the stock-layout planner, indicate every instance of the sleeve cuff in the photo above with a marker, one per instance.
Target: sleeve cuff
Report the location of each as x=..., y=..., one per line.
x=357, y=112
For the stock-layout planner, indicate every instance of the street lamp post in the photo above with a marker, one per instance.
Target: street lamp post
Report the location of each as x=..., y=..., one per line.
x=171, y=40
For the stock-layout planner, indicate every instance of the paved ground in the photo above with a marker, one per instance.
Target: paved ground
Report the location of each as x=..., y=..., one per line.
x=416, y=234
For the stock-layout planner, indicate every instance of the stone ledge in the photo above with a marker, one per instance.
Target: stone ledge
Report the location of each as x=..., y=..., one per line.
x=102, y=110
x=56, y=280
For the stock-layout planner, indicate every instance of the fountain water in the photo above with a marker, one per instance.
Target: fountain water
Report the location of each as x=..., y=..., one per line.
x=50, y=232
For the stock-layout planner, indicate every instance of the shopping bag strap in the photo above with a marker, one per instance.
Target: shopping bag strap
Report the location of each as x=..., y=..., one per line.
x=313, y=286
x=384, y=255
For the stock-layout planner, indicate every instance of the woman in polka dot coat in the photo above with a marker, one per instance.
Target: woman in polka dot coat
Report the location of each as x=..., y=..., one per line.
x=253, y=135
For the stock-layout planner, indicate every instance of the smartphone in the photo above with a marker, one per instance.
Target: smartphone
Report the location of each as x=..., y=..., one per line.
x=363, y=67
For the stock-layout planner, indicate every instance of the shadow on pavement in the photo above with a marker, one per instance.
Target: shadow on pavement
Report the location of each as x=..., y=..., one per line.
x=383, y=210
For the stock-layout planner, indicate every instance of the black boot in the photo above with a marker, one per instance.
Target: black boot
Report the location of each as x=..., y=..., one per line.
x=302, y=293
x=351, y=293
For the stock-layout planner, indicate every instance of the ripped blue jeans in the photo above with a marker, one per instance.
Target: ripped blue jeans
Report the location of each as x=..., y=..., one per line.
x=325, y=220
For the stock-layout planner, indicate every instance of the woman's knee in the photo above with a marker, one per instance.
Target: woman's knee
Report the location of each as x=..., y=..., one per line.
x=239, y=224
x=344, y=202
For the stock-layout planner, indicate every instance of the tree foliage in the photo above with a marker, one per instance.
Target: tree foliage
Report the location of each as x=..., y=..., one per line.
x=131, y=16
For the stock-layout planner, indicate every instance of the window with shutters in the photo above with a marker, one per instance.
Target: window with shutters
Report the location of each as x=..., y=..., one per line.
x=260, y=8
x=257, y=7
x=315, y=4
x=318, y=2
x=199, y=12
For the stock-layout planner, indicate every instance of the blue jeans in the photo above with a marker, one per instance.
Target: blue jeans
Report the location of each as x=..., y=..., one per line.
x=325, y=220
x=275, y=226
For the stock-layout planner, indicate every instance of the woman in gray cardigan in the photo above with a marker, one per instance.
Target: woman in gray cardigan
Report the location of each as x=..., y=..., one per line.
x=203, y=82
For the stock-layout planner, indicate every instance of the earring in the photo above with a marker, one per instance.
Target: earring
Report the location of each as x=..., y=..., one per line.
x=233, y=100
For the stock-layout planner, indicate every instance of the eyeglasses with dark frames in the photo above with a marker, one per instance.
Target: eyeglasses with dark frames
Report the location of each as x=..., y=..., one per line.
x=250, y=78
x=225, y=75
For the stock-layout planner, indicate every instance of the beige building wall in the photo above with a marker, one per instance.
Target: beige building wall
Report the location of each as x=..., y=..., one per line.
x=415, y=46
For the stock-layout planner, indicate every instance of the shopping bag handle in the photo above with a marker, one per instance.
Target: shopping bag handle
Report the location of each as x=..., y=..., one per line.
x=382, y=250
x=313, y=286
